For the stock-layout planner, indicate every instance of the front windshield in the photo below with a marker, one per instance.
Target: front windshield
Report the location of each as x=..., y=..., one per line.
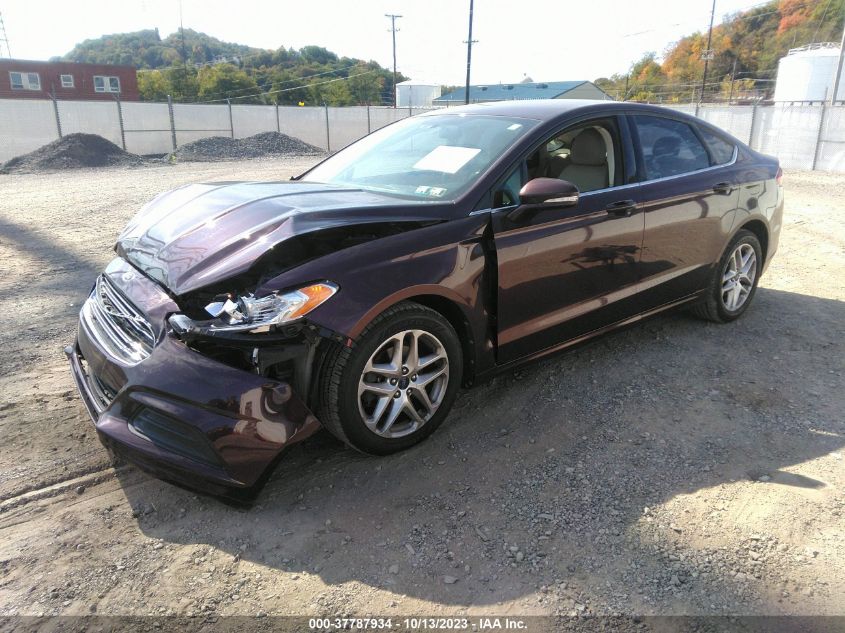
x=434, y=157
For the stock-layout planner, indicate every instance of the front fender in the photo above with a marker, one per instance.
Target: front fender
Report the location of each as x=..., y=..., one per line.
x=448, y=260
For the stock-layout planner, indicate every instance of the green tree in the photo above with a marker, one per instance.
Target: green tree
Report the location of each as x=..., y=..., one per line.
x=226, y=81
x=183, y=83
x=153, y=85
x=337, y=93
x=365, y=85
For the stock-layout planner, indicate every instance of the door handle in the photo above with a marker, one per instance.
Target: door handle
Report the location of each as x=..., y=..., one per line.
x=622, y=208
x=723, y=188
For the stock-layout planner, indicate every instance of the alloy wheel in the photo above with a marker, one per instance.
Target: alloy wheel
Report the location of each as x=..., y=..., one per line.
x=403, y=383
x=738, y=277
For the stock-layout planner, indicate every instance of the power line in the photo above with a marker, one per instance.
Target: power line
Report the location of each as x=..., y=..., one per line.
x=821, y=19
x=284, y=81
x=741, y=14
x=271, y=92
x=4, y=39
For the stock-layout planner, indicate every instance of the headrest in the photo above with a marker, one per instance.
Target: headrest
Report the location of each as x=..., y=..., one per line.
x=588, y=148
x=666, y=146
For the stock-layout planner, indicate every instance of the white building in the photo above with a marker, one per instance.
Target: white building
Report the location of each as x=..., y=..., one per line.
x=416, y=94
x=807, y=73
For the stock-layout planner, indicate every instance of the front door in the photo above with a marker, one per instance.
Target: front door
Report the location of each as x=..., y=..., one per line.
x=565, y=272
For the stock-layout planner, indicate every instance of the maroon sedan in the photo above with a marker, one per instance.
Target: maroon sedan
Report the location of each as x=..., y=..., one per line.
x=238, y=317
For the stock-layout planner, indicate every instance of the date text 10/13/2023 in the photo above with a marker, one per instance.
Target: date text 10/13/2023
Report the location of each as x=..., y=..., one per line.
x=418, y=624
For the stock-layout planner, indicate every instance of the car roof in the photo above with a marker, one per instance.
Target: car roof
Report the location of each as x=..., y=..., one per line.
x=551, y=109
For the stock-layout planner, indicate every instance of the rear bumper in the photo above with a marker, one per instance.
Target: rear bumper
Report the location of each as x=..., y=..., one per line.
x=186, y=417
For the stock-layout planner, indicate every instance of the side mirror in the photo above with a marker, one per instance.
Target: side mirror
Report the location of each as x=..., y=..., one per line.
x=549, y=192
x=545, y=193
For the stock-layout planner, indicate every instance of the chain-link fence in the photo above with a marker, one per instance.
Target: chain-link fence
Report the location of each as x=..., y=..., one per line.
x=159, y=128
x=801, y=136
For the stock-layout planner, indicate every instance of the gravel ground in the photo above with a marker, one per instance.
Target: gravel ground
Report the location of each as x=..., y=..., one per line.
x=216, y=148
x=677, y=467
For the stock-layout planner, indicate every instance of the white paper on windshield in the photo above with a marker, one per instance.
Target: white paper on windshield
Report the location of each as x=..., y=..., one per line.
x=447, y=158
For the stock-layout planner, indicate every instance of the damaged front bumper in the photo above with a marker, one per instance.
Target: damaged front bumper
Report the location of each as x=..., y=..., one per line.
x=171, y=410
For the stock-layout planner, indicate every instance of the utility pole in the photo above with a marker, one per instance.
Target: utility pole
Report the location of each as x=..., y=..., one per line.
x=837, y=80
x=184, y=54
x=733, y=77
x=469, y=52
x=707, y=55
x=393, y=30
x=4, y=38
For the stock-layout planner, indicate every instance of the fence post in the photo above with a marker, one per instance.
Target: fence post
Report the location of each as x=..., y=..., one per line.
x=328, y=138
x=819, y=137
x=368, y=119
x=697, y=107
x=120, y=121
x=278, y=125
x=751, y=127
x=172, y=122
x=231, y=123
x=56, y=112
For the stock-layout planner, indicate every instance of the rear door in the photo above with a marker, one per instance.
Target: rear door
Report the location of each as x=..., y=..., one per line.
x=689, y=204
x=566, y=271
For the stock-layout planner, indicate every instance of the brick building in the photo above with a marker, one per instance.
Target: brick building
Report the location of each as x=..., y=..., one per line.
x=23, y=79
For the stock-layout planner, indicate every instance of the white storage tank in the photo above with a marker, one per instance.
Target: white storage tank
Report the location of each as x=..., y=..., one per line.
x=806, y=74
x=416, y=94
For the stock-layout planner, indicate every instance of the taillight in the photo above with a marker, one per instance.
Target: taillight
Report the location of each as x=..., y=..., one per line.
x=779, y=177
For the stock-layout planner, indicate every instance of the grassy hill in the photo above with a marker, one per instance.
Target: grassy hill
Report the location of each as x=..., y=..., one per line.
x=204, y=68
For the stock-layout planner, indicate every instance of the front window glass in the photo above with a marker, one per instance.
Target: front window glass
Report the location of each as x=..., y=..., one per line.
x=585, y=155
x=434, y=157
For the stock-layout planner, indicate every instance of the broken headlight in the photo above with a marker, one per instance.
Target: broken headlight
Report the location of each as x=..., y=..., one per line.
x=256, y=314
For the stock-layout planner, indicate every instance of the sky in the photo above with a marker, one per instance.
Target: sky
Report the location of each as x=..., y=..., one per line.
x=547, y=40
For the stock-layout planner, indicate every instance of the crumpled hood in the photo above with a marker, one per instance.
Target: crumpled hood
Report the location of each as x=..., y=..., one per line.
x=204, y=233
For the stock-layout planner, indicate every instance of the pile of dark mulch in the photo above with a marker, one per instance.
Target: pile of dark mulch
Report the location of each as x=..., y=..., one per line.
x=73, y=151
x=216, y=148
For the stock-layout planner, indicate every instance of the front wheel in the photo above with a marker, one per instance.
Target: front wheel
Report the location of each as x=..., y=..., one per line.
x=396, y=384
x=734, y=280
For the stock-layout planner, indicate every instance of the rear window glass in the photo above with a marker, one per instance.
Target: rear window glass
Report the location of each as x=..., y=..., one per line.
x=721, y=149
x=669, y=147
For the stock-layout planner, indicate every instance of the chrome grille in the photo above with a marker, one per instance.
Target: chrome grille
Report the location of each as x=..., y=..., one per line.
x=101, y=393
x=117, y=325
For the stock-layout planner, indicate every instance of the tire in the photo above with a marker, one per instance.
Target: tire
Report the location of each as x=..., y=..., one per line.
x=720, y=305
x=356, y=398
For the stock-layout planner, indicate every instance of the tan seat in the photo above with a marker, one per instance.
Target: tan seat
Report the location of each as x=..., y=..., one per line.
x=586, y=166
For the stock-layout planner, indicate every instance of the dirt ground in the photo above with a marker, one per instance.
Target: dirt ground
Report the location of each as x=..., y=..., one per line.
x=677, y=467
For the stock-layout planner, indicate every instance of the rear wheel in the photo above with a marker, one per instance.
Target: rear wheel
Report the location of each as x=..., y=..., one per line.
x=734, y=280
x=396, y=384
